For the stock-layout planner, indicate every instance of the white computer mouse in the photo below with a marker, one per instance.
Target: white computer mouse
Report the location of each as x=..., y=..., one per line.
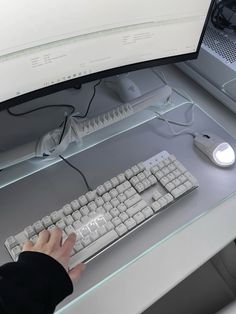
x=124, y=87
x=217, y=150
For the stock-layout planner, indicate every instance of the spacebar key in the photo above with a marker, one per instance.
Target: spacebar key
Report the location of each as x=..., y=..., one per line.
x=93, y=248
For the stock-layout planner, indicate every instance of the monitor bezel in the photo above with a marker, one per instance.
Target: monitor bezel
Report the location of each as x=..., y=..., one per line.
x=106, y=73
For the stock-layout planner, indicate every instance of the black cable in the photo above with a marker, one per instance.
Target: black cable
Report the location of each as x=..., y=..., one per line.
x=90, y=102
x=64, y=123
x=63, y=130
x=80, y=172
x=78, y=116
x=40, y=108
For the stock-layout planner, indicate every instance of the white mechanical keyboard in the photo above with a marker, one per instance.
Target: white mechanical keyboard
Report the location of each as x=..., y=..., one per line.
x=114, y=209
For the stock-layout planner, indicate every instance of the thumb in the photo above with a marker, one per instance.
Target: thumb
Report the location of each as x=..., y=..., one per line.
x=76, y=271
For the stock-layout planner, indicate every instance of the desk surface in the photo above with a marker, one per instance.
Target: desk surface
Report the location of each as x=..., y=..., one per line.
x=53, y=187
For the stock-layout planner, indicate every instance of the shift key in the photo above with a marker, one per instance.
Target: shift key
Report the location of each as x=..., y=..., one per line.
x=136, y=208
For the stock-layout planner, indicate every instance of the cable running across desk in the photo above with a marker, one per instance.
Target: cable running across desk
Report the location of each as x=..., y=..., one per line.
x=89, y=188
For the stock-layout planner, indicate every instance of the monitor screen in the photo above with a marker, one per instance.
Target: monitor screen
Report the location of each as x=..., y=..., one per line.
x=49, y=45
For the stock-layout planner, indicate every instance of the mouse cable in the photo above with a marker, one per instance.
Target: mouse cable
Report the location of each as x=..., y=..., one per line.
x=63, y=132
x=79, y=116
x=173, y=131
x=40, y=108
x=58, y=106
x=181, y=93
x=78, y=170
x=90, y=102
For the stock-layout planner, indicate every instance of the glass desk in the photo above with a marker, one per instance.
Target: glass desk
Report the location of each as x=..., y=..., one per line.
x=53, y=186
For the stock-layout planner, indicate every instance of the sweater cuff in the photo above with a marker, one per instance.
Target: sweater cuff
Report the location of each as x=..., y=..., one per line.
x=51, y=276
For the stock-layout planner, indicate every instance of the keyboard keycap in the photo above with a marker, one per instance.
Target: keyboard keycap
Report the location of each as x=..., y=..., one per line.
x=113, y=193
x=135, y=170
x=92, y=226
x=69, y=230
x=136, y=208
x=129, y=174
x=134, y=180
x=86, y=241
x=16, y=252
x=78, y=246
x=106, y=197
x=147, y=212
x=29, y=232
x=130, y=192
x=141, y=176
x=109, y=226
x=94, y=235
x=34, y=239
x=99, y=201
x=55, y=216
x=114, y=182
x=61, y=224
x=115, y=202
x=85, y=219
x=93, y=248
x=141, y=166
x=11, y=242
x=121, y=178
x=102, y=230
x=83, y=200
x=130, y=223
x=123, y=216
x=121, y=229
x=114, y=212
x=47, y=221
x=67, y=210
x=156, y=195
x=84, y=231
x=100, y=210
x=75, y=205
x=68, y=220
x=90, y=196
x=101, y=190
x=116, y=221
x=169, y=198
x=38, y=226
x=152, y=180
x=100, y=221
x=132, y=200
x=139, y=217
x=121, y=197
x=84, y=210
x=107, y=206
x=139, y=187
x=76, y=215
x=191, y=178
x=156, y=206
x=108, y=186
x=162, y=201
x=188, y=185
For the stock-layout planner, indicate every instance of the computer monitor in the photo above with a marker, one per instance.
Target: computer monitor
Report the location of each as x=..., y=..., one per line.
x=50, y=45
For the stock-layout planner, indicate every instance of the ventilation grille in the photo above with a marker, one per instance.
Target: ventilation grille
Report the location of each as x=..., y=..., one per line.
x=221, y=44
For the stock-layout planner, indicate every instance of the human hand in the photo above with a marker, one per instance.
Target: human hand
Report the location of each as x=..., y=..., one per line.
x=50, y=243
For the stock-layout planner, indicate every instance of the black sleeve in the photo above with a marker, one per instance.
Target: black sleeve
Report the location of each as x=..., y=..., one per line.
x=34, y=284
